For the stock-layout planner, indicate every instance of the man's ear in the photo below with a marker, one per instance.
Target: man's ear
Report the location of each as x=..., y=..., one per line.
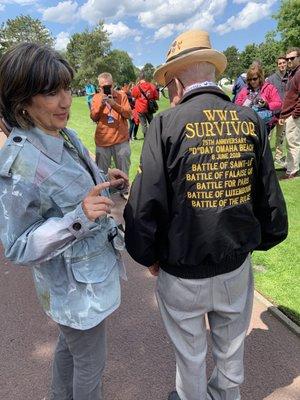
x=179, y=93
x=179, y=88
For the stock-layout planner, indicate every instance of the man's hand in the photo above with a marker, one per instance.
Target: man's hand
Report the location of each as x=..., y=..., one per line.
x=154, y=269
x=94, y=205
x=110, y=100
x=118, y=179
x=104, y=100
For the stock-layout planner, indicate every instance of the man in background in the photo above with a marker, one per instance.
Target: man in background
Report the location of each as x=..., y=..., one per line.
x=279, y=80
x=143, y=92
x=290, y=113
x=90, y=90
x=205, y=197
x=238, y=85
x=110, y=110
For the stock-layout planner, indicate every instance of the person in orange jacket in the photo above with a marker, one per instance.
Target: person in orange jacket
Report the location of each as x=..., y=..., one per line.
x=110, y=110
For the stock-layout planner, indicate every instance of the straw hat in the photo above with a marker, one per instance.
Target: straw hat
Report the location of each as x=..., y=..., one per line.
x=188, y=48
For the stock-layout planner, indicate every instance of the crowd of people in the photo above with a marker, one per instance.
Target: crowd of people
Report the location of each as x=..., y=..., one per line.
x=205, y=197
x=276, y=100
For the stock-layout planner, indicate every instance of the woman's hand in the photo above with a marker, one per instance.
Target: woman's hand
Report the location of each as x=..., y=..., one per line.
x=118, y=179
x=94, y=205
x=262, y=103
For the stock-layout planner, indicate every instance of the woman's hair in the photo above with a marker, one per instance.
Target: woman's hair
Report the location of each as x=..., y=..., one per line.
x=253, y=71
x=26, y=70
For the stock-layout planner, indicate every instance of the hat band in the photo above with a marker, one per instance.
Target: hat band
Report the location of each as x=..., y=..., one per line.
x=186, y=52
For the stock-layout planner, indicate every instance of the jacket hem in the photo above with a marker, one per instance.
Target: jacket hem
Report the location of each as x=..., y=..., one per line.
x=205, y=270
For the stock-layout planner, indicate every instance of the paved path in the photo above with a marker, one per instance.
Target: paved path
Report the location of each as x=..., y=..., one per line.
x=140, y=363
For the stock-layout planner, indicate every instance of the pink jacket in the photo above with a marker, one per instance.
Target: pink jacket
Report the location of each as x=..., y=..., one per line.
x=268, y=92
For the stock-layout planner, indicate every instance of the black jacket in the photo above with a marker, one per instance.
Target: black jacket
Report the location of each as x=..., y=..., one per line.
x=207, y=193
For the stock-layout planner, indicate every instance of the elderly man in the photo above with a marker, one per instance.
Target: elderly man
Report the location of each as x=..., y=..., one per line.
x=279, y=80
x=110, y=110
x=290, y=113
x=205, y=197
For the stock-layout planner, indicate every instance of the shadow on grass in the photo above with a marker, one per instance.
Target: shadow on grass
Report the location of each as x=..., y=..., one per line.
x=292, y=314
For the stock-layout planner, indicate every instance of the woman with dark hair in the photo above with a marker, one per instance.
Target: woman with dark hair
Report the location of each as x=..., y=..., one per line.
x=54, y=215
x=260, y=95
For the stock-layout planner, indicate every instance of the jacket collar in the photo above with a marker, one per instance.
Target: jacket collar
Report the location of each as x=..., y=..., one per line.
x=204, y=90
x=51, y=146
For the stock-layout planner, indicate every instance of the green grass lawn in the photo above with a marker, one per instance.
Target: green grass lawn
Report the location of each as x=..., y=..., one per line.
x=277, y=271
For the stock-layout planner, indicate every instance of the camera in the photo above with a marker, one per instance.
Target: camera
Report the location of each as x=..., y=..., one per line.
x=107, y=90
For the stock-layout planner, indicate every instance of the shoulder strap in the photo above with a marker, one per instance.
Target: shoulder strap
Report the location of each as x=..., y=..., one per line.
x=143, y=93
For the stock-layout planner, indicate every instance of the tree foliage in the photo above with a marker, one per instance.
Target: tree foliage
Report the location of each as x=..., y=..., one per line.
x=120, y=65
x=86, y=51
x=89, y=53
x=248, y=55
x=23, y=29
x=233, y=64
x=268, y=51
x=148, y=71
x=288, y=23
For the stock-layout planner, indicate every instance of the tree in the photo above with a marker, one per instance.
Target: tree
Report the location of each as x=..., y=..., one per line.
x=148, y=71
x=86, y=52
x=234, y=68
x=268, y=51
x=23, y=29
x=288, y=22
x=120, y=65
x=248, y=55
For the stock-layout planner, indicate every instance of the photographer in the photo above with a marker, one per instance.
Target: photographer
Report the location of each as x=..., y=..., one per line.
x=110, y=109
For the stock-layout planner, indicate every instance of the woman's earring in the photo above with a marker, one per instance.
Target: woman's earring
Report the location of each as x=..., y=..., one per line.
x=24, y=112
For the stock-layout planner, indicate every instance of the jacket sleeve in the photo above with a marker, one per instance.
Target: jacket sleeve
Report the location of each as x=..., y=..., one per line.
x=274, y=100
x=296, y=83
x=147, y=209
x=27, y=237
x=241, y=97
x=270, y=208
x=124, y=108
x=135, y=92
x=96, y=108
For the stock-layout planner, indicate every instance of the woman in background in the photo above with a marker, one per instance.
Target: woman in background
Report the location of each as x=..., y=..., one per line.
x=260, y=95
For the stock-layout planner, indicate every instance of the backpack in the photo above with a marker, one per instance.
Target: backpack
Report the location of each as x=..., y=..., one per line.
x=152, y=104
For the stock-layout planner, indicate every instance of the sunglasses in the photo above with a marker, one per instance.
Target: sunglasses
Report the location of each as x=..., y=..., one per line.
x=253, y=79
x=291, y=58
x=163, y=90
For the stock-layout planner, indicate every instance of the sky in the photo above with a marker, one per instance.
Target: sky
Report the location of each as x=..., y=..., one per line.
x=146, y=28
